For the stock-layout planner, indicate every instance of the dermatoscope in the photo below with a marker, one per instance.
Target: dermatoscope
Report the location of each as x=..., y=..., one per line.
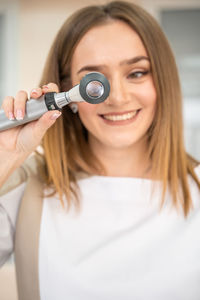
x=93, y=88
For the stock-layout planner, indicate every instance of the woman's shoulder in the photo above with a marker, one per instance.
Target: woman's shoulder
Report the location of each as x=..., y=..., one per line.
x=31, y=167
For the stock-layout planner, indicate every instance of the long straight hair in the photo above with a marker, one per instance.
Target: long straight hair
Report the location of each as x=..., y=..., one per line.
x=66, y=150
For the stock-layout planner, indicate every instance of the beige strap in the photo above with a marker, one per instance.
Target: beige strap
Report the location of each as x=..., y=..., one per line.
x=27, y=240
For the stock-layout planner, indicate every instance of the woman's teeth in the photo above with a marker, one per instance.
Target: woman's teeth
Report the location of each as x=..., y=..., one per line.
x=126, y=116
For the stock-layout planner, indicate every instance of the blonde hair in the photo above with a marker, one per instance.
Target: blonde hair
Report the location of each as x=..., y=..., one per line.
x=65, y=143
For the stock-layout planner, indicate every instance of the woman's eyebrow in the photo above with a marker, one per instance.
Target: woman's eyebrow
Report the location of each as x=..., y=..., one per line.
x=124, y=62
x=134, y=60
x=91, y=68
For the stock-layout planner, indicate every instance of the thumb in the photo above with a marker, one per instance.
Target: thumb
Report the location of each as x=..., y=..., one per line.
x=45, y=122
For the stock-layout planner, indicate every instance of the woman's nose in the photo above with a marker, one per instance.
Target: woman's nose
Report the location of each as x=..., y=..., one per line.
x=118, y=94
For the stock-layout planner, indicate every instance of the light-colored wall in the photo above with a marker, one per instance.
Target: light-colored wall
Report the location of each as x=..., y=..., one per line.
x=39, y=22
x=8, y=288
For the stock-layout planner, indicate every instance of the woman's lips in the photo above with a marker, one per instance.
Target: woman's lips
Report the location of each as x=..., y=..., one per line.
x=120, y=118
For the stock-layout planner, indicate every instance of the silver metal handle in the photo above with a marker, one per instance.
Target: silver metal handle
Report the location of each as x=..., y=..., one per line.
x=34, y=110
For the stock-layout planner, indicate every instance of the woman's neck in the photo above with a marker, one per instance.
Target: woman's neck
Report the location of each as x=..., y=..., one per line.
x=131, y=161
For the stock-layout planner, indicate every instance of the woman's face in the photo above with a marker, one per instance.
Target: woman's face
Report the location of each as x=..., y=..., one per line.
x=117, y=51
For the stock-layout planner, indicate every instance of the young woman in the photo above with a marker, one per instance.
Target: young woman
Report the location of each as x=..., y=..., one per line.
x=89, y=224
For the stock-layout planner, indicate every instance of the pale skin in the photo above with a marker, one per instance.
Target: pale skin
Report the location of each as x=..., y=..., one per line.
x=117, y=51
x=117, y=127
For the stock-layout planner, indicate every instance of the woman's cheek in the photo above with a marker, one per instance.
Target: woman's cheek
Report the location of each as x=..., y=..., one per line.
x=87, y=111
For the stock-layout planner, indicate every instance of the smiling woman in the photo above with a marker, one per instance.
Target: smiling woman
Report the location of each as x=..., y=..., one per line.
x=98, y=43
x=118, y=161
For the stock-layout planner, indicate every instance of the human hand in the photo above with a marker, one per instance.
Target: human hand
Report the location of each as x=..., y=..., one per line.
x=25, y=138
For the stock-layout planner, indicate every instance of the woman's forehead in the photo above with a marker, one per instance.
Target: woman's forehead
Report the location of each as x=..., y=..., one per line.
x=112, y=42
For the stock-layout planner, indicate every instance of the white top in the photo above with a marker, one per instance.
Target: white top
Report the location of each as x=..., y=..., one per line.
x=118, y=247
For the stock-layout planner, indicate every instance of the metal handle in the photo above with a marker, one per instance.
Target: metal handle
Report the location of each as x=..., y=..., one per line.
x=34, y=110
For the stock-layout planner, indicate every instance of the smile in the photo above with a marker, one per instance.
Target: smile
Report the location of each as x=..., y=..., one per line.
x=120, y=117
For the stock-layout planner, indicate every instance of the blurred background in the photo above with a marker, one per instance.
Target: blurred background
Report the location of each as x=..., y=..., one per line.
x=28, y=28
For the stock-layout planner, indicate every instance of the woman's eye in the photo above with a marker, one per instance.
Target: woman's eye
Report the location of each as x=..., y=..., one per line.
x=137, y=74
